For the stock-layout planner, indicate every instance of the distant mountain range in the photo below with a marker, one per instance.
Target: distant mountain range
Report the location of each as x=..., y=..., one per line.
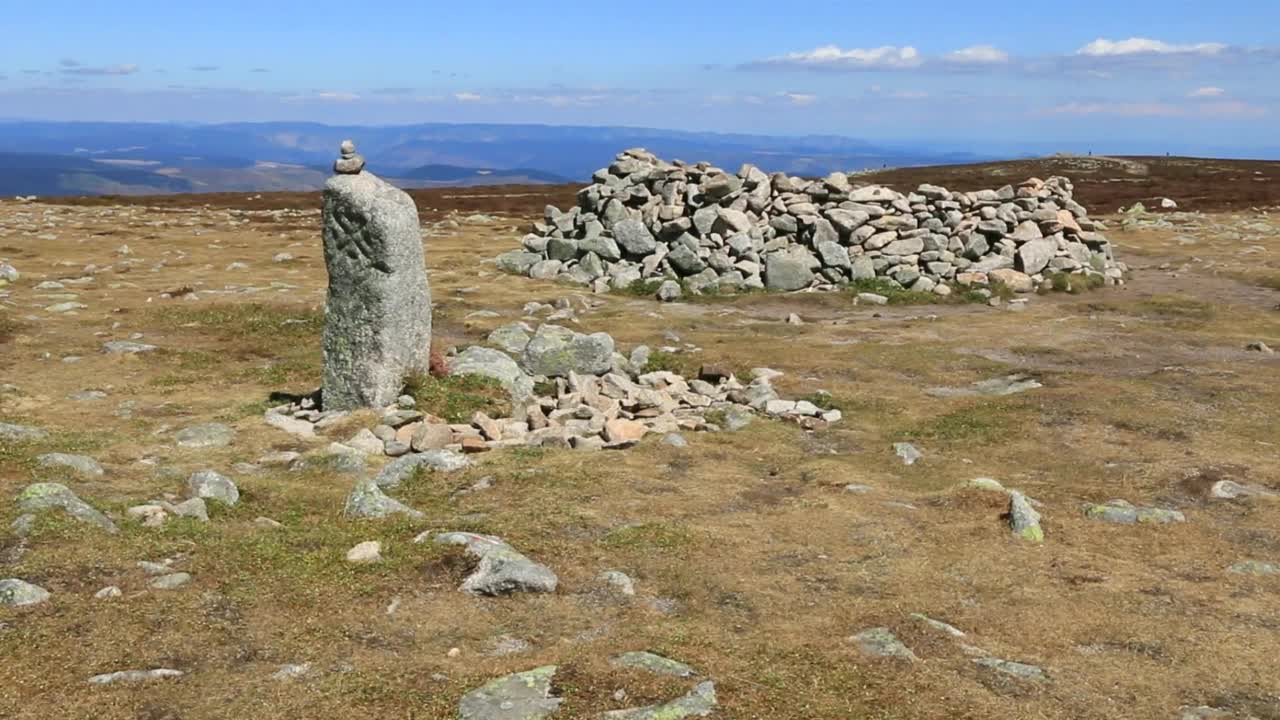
x=55, y=158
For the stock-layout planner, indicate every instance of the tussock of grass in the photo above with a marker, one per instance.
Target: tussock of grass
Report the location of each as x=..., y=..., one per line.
x=650, y=537
x=456, y=398
x=1176, y=308
x=1072, y=283
x=640, y=288
x=660, y=361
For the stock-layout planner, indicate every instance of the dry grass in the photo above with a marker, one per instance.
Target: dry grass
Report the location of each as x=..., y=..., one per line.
x=752, y=562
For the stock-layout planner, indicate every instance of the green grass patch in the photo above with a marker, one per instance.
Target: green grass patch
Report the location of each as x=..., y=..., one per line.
x=660, y=361
x=1176, y=308
x=456, y=398
x=662, y=537
x=981, y=423
x=640, y=288
x=245, y=321
x=824, y=400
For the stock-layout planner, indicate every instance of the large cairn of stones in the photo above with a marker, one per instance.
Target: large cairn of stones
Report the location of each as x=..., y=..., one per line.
x=377, y=326
x=699, y=227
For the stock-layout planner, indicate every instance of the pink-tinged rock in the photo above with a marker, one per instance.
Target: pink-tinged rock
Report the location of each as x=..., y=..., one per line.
x=624, y=431
x=1014, y=280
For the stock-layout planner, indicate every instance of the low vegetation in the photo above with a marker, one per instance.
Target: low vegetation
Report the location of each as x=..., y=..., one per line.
x=457, y=398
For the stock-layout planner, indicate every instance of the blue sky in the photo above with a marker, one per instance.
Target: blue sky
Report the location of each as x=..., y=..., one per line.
x=1190, y=74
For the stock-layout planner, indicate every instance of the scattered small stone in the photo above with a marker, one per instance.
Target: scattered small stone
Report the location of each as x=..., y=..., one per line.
x=504, y=645
x=908, y=452
x=1023, y=519
x=19, y=593
x=267, y=523
x=995, y=387
x=366, y=553
x=108, y=593
x=211, y=485
x=403, y=468
x=675, y=440
x=1259, y=347
x=291, y=672
x=881, y=642
x=858, y=489
x=133, y=677
x=620, y=581
x=172, y=581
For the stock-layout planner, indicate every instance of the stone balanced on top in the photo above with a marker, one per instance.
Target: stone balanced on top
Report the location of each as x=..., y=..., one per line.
x=378, y=313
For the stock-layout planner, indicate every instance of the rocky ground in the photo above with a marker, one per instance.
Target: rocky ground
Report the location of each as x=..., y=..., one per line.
x=1057, y=508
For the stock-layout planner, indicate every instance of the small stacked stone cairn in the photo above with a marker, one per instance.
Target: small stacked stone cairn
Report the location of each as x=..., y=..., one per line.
x=378, y=307
x=699, y=227
x=591, y=398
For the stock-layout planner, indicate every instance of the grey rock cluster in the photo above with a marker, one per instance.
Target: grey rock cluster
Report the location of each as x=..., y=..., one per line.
x=701, y=227
x=378, y=312
x=592, y=397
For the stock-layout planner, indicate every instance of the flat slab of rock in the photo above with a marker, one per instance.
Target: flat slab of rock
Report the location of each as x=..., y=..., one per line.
x=81, y=465
x=367, y=501
x=1021, y=671
x=502, y=570
x=520, y=696
x=208, y=435
x=700, y=702
x=378, y=312
x=295, y=427
x=133, y=677
x=1125, y=513
x=127, y=347
x=53, y=496
x=881, y=642
x=20, y=593
x=653, y=663
x=995, y=387
x=403, y=468
x=21, y=433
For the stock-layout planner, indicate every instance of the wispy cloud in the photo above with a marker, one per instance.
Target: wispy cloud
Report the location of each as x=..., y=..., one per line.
x=1232, y=108
x=800, y=99
x=1103, y=47
x=68, y=63
x=1125, y=109
x=832, y=57
x=468, y=97
x=1207, y=92
x=105, y=70
x=977, y=55
x=205, y=68
x=260, y=70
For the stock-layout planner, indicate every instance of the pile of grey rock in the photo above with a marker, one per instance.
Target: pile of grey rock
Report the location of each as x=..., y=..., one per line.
x=568, y=390
x=695, y=227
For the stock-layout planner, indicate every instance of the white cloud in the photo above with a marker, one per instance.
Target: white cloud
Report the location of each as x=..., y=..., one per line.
x=800, y=99
x=833, y=57
x=1103, y=47
x=1207, y=92
x=468, y=97
x=977, y=55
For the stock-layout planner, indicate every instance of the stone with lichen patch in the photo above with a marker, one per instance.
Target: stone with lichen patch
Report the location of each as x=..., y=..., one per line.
x=53, y=496
x=519, y=696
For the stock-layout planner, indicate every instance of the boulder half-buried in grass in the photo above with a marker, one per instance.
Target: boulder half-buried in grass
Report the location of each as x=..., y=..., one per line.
x=996, y=387
x=52, y=496
x=502, y=570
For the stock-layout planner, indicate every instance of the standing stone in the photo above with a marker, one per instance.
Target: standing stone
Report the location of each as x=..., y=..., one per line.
x=378, y=323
